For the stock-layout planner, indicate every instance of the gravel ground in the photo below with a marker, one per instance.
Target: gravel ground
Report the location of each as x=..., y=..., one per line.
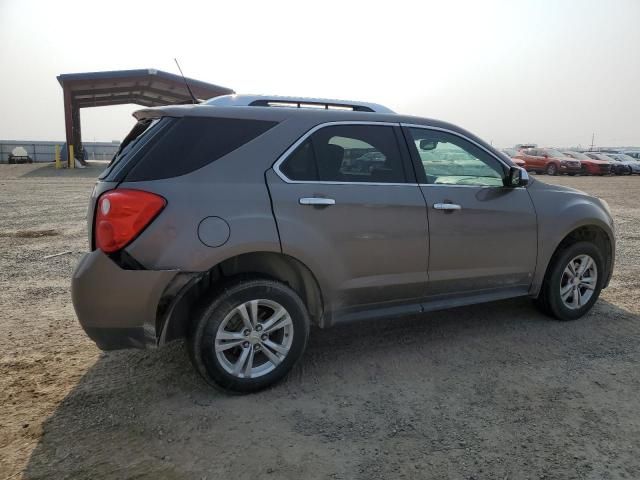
x=492, y=391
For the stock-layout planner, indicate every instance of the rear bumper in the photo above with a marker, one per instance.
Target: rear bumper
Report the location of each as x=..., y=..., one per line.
x=118, y=308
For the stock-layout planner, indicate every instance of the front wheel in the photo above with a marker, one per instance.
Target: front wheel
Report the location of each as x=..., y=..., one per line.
x=552, y=169
x=249, y=336
x=573, y=282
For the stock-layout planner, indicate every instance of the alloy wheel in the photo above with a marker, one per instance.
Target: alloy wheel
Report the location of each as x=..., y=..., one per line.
x=578, y=282
x=254, y=338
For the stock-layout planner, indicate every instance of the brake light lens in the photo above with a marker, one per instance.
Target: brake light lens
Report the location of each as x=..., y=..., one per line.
x=121, y=215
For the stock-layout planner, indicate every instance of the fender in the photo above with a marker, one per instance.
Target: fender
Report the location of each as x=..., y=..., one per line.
x=561, y=211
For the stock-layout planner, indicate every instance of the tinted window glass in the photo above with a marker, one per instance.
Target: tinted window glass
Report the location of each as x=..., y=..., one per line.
x=139, y=135
x=193, y=142
x=301, y=164
x=348, y=153
x=451, y=160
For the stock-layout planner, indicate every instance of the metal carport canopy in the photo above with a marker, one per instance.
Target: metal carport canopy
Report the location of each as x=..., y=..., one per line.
x=146, y=87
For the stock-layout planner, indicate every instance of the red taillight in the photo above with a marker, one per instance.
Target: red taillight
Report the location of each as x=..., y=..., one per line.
x=122, y=214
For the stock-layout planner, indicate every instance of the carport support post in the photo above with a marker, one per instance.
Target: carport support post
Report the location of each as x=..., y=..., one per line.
x=69, y=119
x=58, y=157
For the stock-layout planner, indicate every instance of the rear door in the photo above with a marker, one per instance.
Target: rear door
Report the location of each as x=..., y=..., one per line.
x=347, y=205
x=538, y=160
x=483, y=236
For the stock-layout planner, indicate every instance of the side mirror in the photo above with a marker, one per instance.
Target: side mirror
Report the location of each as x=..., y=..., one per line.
x=518, y=177
x=427, y=145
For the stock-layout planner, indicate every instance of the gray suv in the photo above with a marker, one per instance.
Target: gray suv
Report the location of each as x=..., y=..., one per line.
x=240, y=223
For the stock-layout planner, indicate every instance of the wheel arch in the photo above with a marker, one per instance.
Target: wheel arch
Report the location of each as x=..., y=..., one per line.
x=591, y=231
x=182, y=302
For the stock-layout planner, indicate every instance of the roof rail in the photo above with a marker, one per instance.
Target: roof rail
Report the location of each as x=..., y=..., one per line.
x=295, y=102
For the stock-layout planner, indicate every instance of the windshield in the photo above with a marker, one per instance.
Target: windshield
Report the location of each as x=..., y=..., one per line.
x=553, y=153
x=577, y=155
x=512, y=152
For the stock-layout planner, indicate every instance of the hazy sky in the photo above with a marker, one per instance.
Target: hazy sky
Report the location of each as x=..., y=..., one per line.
x=550, y=72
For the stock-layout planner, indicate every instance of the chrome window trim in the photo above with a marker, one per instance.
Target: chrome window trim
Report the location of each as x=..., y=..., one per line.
x=464, y=137
x=297, y=143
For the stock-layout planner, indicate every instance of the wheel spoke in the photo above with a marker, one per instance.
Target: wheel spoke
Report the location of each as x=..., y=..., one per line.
x=588, y=283
x=585, y=266
x=249, y=363
x=566, y=291
x=274, y=346
x=226, y=335
x=221, y=347
x=242, y=310
x=239, y=365
x=273, y=358
x=282, y=323
x=253, y=310
x=271, y=323
x=576, y=297
x=572, y=269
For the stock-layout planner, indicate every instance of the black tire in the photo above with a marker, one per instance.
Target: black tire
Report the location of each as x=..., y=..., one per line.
x=549, y=301
x=201, y=338
x=552, y=169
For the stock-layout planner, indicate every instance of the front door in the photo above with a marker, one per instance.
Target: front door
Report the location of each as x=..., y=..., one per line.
x=347, y=205
x=483, y=235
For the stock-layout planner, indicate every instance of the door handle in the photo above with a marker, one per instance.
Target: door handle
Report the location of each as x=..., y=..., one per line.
x=446, y=206
x=317, y=201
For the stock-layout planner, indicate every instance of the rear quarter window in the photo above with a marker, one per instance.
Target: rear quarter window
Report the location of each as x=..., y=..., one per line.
x=193, y=142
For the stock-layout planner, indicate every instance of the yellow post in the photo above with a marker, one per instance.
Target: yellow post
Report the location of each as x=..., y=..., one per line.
x=72, y=159
x=58, y=157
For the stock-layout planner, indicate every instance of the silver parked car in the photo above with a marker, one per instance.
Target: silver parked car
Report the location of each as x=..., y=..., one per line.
x=240, y=223
x=619, y=167
x=627, y=160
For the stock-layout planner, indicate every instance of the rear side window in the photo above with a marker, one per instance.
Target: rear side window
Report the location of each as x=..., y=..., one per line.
x=192, y=143
x=139, y=135
x=348, y=153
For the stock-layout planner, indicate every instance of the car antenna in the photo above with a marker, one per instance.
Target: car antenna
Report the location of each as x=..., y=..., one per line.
x=193, y=97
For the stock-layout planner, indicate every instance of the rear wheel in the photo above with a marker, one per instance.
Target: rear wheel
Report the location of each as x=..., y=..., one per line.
x=249, y=336
x=552, y=169
x=573, y=282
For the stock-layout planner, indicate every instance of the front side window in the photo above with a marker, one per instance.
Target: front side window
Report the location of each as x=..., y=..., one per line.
x=347, y=153
x=451, y=160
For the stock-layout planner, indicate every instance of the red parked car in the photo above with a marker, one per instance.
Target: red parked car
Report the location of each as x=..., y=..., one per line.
x=512, y=153
x=591, y=166
x=549, y=161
